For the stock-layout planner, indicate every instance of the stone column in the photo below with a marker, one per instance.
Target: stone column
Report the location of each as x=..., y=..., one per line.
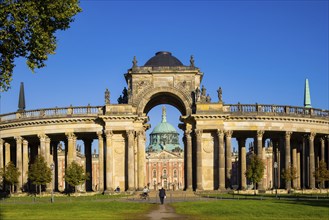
x=2, y=155
x=260, y=134
x=228, y=152
x=54, y=145
x=19, y=163
x=101, y=161
x=42, y=139
x=312, y=160
x=198, y=135
x=141, y=159
x=294, y=165
x=25, y=167
x=287, y=164
x=327, y=136
x=298, y=170
x=242, y=162
x=71, y=148
x=131, y=161
x=221, y=158
x=7, y=153
x=303, y=170
x=322, y=148
x=109, y=161
x=188, y=151
x=87, y=143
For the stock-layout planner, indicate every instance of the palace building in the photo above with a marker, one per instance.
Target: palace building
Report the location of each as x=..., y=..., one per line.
x=298, y=136
x=165, y=157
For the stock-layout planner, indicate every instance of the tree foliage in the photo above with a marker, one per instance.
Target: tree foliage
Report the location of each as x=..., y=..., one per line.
x=321, y=173
x=75, y=175
x=10, y=175
x=255, y=169
x=27, y=29
x=289, y=174
x=39, y=173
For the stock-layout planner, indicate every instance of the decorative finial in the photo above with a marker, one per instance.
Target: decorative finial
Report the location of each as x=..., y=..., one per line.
x=21, y=100
x=134, y=62
x=164, y=114
x=192, y=61
x=220, y=92
x=307, y=95
x=107, y=96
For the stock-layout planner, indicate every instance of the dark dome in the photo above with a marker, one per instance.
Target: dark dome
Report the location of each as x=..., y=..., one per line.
x=163, y=58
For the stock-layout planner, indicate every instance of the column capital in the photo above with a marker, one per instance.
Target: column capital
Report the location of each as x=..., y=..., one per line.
x=260, y=133
x=42, y=136
x=99, y=134
x=228, y=133
x=130, y=133
x=311, y=136
x=187, y=132
x=70, y=135
x=288, y=134
x=140, y=133
x=220, y=133
x=2, y=141
x=25, y=142
x=18, y=138
x=198, y=132
x=109, y=133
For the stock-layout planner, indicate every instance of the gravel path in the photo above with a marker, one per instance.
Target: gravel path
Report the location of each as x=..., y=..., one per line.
x=164, y=212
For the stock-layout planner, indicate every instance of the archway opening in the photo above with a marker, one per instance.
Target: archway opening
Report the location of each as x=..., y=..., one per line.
x=164, y=149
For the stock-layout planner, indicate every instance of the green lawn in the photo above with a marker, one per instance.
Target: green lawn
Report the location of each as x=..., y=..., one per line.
x=110, y=207
x=254, y=209
x=84, y=209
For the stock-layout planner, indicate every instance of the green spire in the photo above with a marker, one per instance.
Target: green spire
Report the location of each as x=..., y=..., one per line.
x=164, y=114
x=307, y=96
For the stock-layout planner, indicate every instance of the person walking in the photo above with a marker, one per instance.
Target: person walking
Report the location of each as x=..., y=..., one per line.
x=162, y=195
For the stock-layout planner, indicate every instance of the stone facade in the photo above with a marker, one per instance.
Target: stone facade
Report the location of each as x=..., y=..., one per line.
x=299, y=134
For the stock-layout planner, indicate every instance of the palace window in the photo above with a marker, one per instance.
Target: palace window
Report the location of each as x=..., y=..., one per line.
x=175, y=173
x=154, y=173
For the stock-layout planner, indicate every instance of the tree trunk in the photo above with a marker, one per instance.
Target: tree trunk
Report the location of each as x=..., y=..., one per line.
x=40, y=189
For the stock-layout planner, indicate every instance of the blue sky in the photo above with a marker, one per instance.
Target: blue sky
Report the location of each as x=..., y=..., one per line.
x=257, y=51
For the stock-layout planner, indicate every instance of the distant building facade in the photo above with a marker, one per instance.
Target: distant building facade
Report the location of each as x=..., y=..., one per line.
x=165, y=157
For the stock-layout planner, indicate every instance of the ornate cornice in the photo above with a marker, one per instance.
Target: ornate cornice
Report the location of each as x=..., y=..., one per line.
x=28, y=123
x=228, y=118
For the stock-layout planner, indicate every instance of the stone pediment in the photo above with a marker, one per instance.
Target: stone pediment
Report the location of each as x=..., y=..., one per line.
x=166, y=155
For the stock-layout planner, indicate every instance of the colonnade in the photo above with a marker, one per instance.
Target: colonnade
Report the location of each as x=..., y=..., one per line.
x=301, y=151
x=22, y=151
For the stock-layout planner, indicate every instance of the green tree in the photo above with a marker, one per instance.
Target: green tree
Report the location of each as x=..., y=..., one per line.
x=75, y=175
x=255, y=170
x=10, y=175
x=289, y=175
x=27, y=29
x=39, y=173
x=321, y=173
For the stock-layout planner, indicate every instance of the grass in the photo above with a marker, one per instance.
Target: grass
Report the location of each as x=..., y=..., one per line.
x=112, y=207
x=254, y=209
x=72, y=208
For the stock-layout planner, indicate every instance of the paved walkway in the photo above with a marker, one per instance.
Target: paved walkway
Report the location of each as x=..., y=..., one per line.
x=164, y=212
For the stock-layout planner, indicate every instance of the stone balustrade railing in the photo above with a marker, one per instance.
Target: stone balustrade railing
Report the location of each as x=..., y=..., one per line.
x=228, y=108
x=274, y=110
x=53, y=112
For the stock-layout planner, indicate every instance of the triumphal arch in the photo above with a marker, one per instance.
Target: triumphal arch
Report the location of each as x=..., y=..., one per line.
x=299, y=135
